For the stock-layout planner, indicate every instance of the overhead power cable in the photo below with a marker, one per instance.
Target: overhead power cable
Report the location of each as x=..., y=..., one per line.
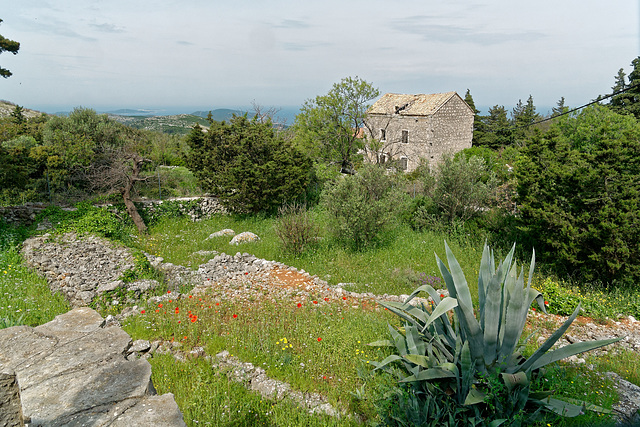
x=572, y=110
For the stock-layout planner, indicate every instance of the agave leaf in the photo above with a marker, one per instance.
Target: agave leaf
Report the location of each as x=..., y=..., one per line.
x=381, y=343
x=513, y=323
x=386, y=361
x=587, y=405
x=449, y=367
x=415, y=344
x=398, y=310
x=570, y=350
x=563, y=408
x=445, y=305
x=540, y=395
x=484, y=278
x=429, y=374
x=399, y=341
x=470, y=329
x=418, y=359
x=547, y=344
x=467, y=370
x=474, y=397
x=435, y=295
x=513, y=380
x=460, y=282
x=492, y=318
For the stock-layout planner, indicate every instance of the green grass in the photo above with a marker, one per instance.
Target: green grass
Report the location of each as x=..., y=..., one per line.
x=25, y=298
x=335, y=366
x=390, y=268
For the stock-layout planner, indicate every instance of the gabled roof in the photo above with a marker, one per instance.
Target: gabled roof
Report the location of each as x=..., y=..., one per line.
x=411, y=105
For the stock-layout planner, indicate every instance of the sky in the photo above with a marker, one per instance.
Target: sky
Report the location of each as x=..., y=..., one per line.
x=205, y=54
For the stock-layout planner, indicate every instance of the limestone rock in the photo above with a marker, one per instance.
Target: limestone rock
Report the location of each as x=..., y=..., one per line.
x=72, y=371
x=245, y=237
x=221, y=233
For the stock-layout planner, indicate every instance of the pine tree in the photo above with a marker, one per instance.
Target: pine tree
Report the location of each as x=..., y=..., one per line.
x=7, y=45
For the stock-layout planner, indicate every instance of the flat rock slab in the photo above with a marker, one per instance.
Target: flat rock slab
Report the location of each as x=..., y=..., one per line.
x=72, y=371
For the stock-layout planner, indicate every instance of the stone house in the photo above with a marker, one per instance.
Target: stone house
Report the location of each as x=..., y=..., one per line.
x=405, y=130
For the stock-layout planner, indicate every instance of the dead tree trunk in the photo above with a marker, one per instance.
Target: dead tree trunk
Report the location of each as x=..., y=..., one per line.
x=126, y=193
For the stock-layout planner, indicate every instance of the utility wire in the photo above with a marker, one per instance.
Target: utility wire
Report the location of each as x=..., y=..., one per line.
x=570, y=111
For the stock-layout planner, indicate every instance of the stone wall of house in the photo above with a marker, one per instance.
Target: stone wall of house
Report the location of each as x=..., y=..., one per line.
x=448, y=130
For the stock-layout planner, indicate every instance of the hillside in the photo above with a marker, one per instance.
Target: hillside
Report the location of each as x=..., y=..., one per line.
x=179, y=124
x=6, y=108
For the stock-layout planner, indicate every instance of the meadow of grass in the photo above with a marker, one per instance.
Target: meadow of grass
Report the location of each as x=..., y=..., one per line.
x=315, y=347
x=392, y=267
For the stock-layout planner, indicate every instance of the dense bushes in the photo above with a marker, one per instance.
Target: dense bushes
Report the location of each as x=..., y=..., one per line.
x=247, y=165
x=363, y=207
x=579, y=195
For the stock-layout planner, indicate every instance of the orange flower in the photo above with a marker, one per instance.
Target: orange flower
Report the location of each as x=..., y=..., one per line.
x=194, y=319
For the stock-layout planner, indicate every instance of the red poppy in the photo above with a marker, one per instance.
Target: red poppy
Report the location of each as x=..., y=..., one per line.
x=179, y=321
x=324, y=377
x=319, y=339
x=194, y=319
x=546, y=303
x=235, y=316
x=299, y=305
x=142, y=312
x=344, y=298
x=190, y=296
x=315, y=302
x=217, y=303
x=533, y=308
x=160, y=305
x=326, y=299
x=157, y=311
x=168, y=292
x=441, y=295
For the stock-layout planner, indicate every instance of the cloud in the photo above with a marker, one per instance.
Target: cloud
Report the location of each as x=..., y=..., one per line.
x=108, y=28
x=426, y=27
x=292, y=23
x=300, y=47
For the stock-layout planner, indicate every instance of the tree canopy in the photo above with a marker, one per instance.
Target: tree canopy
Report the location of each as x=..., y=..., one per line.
x=579, y=195
x=247, y=164
x=328, y=126
x=7, y=45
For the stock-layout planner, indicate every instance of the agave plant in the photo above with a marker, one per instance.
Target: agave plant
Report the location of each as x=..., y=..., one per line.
x=461, y=353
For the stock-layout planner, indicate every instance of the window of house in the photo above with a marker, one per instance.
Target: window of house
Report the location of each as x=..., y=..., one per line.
x=405, y=136
x=403, y=163
x=383, y=134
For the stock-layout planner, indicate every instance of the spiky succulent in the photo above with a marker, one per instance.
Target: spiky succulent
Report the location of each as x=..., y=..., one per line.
x=457, y=355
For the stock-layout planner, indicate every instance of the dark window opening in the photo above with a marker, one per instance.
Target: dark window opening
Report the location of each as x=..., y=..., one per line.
x=383, y=134
x=405, y=136
x=403, y=163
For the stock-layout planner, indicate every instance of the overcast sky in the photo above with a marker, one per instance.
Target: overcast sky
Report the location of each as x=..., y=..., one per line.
x=210, y=54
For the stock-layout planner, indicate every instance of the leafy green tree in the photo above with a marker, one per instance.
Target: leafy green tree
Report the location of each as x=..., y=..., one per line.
x=478, y=124
x=7, y=45
x=579, y=195
x=247, y=164
x=363, y=207
x=560, y=108
x=496, y=129
x=328, y=126
x=627, y=102
x=522, y=116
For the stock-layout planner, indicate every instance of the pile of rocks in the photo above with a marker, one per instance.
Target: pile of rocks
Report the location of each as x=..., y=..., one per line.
x=24, y=215
x=204, y=208
x=82, y=268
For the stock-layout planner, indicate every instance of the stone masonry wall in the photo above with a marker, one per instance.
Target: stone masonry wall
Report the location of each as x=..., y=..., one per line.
x=448, y=130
